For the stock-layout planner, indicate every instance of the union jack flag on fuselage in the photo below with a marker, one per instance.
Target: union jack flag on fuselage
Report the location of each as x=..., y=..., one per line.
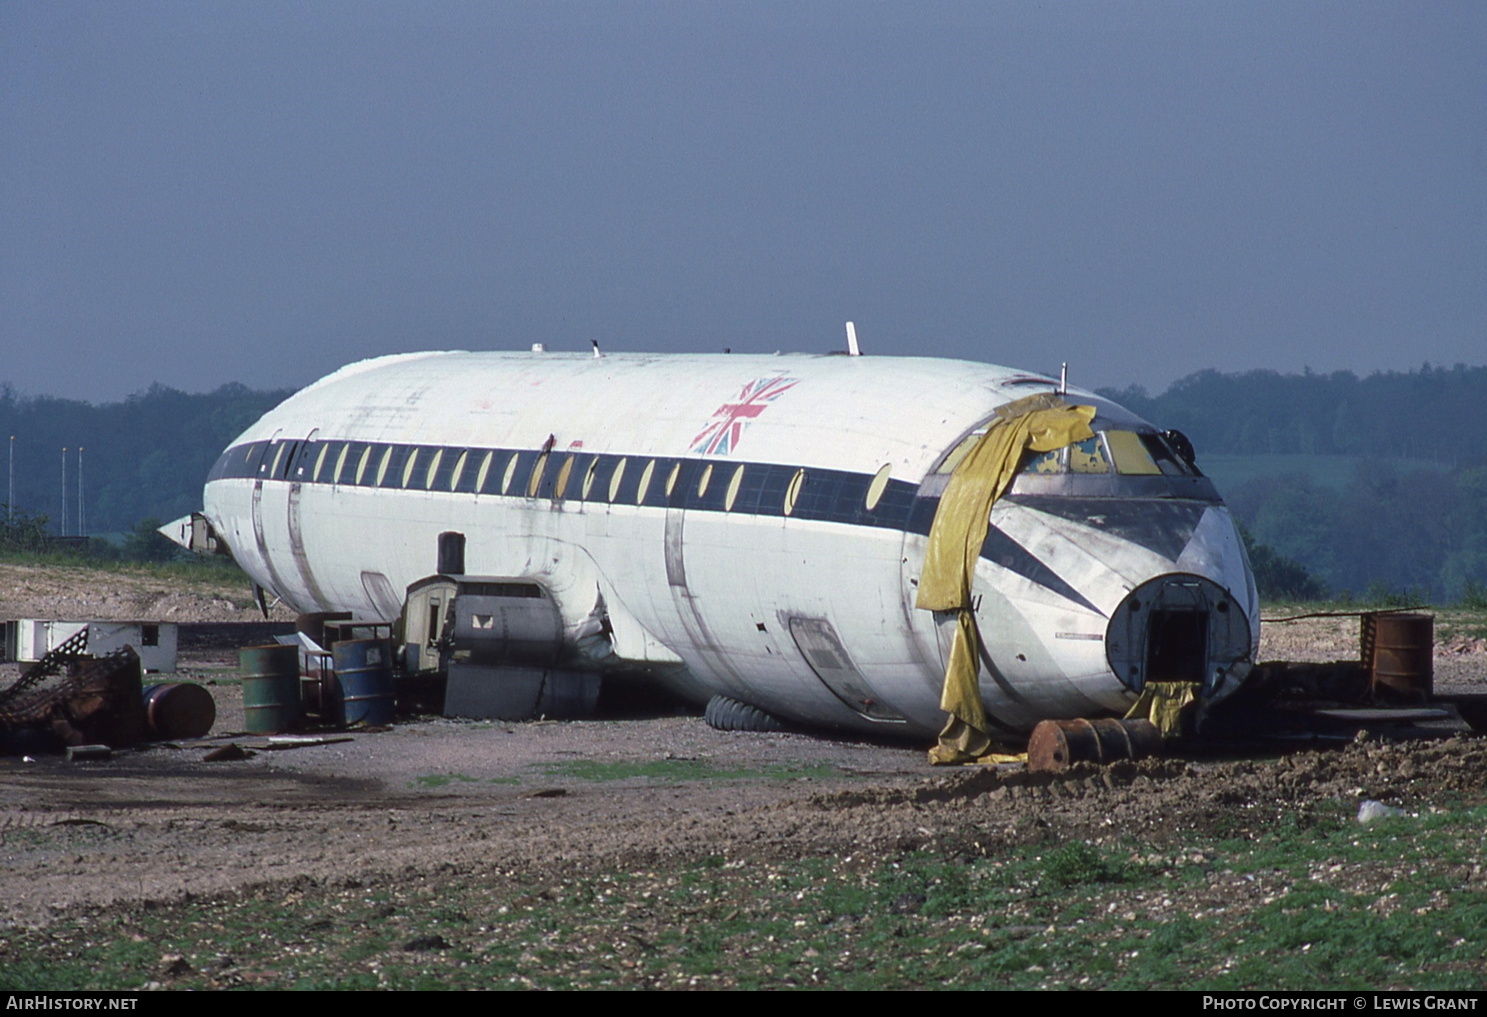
x=729, y=420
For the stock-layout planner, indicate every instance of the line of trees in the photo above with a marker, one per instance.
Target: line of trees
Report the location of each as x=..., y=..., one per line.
x=1390, y=530
x=145, y=456
x=26, y=533
x=1435, y=413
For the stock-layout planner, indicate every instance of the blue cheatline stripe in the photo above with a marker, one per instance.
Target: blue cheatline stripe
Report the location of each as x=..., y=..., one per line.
x=822, y=495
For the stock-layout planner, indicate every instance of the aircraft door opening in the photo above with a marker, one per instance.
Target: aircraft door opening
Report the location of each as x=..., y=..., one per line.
x=451, y=558
x=823, y=651
x=1178, y=628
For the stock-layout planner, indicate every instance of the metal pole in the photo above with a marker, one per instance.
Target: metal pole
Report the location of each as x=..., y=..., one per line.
x=82, y=529
x=64, y=490
x=10, y=505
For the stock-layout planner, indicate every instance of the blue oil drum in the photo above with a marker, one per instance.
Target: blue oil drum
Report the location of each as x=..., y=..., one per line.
x=363, y=690
x=271, y=702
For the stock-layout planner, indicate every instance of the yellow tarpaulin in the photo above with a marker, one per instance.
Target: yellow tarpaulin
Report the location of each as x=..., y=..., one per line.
x=1162, y=703
x=1038, y=423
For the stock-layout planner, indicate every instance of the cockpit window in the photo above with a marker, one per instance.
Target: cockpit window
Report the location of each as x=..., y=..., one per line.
x=1166, y=458
x=1047, y=462
x=1088, y=456
x=1130, y=454
x=960, y=451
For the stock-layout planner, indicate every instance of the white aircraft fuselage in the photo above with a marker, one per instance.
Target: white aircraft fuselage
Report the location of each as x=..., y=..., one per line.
x=750, y=526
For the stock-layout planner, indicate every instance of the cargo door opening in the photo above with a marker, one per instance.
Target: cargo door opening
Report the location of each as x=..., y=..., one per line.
x=1177, y=646
x=828, y=660
x=1178, y=627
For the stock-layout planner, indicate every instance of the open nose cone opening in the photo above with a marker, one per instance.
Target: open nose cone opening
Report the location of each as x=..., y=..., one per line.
x=1179, y=628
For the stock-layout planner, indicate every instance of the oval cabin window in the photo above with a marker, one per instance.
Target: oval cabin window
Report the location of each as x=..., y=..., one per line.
x=733, y=486
x=645, y=482
x=792, y=493
x=878, y=486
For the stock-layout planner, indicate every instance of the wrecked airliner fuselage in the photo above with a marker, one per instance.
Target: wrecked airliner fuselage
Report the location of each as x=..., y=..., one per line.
x=752, y=527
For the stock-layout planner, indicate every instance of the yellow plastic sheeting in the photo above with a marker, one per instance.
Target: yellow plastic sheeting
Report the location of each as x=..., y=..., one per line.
x=1038, y=423
x=1162, y=703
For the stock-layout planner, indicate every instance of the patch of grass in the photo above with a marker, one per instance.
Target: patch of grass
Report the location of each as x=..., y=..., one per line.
x=1077, y=863
x=1461, y=621
x=442, y=780
x=445, y=779
x=680, y=769
x=1303, y=905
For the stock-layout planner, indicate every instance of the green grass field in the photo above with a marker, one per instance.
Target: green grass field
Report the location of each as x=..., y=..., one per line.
x=1229, y=472
x=1322, y=904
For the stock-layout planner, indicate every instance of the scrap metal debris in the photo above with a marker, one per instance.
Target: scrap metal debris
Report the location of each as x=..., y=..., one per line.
x=73, y=699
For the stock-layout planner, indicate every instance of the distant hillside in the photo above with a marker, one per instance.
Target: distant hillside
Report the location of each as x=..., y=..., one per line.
x=1376, y=485
x=1435, y=413
x=146, y=456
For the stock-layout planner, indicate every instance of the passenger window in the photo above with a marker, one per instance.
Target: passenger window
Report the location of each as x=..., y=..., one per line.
x=614, y=481
x=382, y=466
x=561, y=485
x=1088, y=457
x=733, y=486
x=702, y=481
x=361, y=467
x=878, y=486
x=792, y=493
x=408, y=468
x=676, y=470
x=535, y=480
x=428, y=475
x=459, y=471
x=340, y=463
x=588, y=477
x=484, y=471
x=1130, y=455
x=645, y=482
x=319, y=463
x=510, y=473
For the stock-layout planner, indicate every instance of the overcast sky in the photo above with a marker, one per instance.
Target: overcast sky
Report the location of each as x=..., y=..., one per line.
x=196, y=193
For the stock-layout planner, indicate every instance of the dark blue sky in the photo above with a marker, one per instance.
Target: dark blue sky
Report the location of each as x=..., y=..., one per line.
x=198, y=193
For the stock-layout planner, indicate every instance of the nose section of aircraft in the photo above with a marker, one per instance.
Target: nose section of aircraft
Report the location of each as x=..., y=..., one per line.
x=1181, y=627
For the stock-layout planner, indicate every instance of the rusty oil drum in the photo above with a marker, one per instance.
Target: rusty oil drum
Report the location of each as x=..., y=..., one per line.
x=271, y=702
x=179, y=710
x=364, y=683
x=1399, y=652
x=1058, y=744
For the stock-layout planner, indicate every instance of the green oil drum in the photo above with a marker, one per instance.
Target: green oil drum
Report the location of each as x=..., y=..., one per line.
x=271, y=702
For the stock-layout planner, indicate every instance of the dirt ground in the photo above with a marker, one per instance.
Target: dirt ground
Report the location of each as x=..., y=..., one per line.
x=458, y=800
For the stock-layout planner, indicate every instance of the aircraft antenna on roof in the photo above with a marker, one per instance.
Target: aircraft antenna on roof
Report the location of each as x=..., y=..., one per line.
x=1063, y=378
x=597, y=354
x=852, y=348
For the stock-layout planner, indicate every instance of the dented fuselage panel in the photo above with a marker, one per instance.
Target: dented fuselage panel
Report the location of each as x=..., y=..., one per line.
x=749, y=526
